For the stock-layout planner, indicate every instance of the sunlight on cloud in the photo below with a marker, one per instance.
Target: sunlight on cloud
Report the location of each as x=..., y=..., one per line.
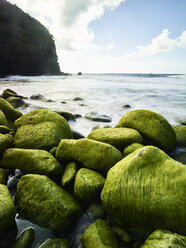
x=160, y=44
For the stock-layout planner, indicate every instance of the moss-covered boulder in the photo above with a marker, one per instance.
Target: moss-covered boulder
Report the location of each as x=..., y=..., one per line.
x=9, y=111
x=99, y=234
x=3, y=120
x=152, y=126
x=8, y=92
x=6, y=141
x=122, y=235
x=164, y=239
x=3, y=176
x=88, y=185
x=91, y=154
x=180, y=131
x=7, y=209
x=69, y=174
x=117, y=137
x=57, y=243
x=131, y=148
x=25, y=239
x=16, y=102
x=41, y=129
x=42, y=201
x=146, y=191
x=31, y=161
x=4, y=129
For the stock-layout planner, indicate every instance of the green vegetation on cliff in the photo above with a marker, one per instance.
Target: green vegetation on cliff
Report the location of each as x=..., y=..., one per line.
x=26, y=46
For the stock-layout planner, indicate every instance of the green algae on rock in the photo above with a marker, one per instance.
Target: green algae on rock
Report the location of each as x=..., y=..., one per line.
x=16, y=102
x=180, y=131
x=3, y=176
x=57, y=243
x=131, y=148
x=117, y=137
x=4, y=129
x=42, y=201
x=164, y=239
x=3, y=120
x=91, y=154
x=152, y=126
x=69, y=174
x=6, y=141
x=122, y=235
x=88, y=185
x=99, y=234
x=25, y=239
x=7, y=209
x=96, y=211
x=41, y=129
x=31, y=161
x=146, y=191
x=9, y=111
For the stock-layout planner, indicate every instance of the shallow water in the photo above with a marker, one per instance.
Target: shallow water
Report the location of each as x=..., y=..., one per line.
x=105, y=94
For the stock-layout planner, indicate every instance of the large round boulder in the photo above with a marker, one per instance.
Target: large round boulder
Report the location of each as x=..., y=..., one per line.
x=117, y=137
x=42, y=201
x=31, y=161
x=164, y=239
x=7, y=209
x=6, y=141
x=41, y=129
x=91, y=154
x=146, y=191
x=3, y=120
x=153, y=127
x=9, y=111
x=99, y=234
x=88, y=185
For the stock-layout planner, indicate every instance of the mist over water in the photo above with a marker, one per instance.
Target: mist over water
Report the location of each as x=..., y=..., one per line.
x=105, y=94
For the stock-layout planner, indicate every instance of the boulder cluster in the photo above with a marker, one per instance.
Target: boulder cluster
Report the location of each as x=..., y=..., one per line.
x=128, y=178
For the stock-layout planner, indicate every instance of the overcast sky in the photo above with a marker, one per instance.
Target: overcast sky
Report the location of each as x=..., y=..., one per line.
x=129, y=36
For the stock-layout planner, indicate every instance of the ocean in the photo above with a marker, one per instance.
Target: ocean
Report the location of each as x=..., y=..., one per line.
x=107, y=94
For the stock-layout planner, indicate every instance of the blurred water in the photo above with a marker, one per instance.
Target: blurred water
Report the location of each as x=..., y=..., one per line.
x=105, y=94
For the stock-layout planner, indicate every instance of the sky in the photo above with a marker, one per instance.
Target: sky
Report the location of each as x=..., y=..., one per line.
x=115, y=36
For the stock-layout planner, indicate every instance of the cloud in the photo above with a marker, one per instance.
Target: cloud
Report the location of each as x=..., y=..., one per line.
x=161, y=44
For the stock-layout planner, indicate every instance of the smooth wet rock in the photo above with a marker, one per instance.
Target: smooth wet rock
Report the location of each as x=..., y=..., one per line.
x=6, y=141
x=164, y=239
x=88, y=185
x=126, y=106
x=57, y=243
x=76, y=99
x=7, y=209
x=3, y=120
x=180, y=131
x=152, y=126
x=99, y=234
x=9, y=111
x=91, y=154
x=95, y=116
x=117, y=137
x=31, y=161
x=38, y=97
x=131, y=148
x=41, y=129
x=25, y=239
x=69, y=174
x=42, y=201
x=4, y=129
x=146, y=191
x=79, y=74
x=101, y=126
x=3, y=176
x=16, y=102
x=67, y=115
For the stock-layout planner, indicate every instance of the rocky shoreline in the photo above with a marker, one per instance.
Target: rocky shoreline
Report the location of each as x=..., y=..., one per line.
x=129, y=179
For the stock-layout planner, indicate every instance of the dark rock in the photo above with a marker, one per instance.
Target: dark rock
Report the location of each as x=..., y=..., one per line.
x=77, y=99
x=77, y=116
x=67, y=115
x=38, y=97
x=183, y=123
x=64, y=102
x=82, y=104
x=16, y=102
x=77, y=135
x=94, y=116
x=126, y=106
x=27, y=48
x=79, y=73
